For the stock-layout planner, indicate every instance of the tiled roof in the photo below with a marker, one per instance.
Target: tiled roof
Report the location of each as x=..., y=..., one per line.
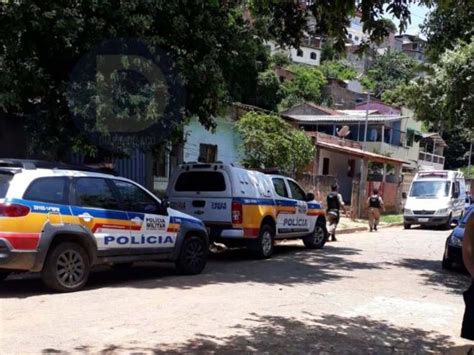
x=343, y=118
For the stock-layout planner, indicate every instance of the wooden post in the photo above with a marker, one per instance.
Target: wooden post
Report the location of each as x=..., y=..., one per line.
x=364, y=171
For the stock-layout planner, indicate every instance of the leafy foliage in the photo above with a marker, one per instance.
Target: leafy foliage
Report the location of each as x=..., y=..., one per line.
x=268, y=92
x=216, y=50
x=268, y=142
x=286, y=20
x=337, y=70
x=390, y=70
x=447, y=24
x=306, y=86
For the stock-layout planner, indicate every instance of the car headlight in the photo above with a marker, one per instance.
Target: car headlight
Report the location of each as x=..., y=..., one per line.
x=407, y=211
x=442, y=212
x=455, y=241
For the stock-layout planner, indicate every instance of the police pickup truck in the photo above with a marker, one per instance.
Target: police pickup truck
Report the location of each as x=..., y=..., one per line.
x=248, y=208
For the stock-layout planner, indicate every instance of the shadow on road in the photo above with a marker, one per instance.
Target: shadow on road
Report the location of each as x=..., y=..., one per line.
x=455, y=281
x=291, y=265
x=329, y=334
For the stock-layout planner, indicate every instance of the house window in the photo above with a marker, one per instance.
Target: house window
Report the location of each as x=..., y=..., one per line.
x=207, y=153
x=313, y=56
x=410, y=137
x=356, y=38
x=161, y=166
x=350, y=35
x=299, y=53
x=326, y=166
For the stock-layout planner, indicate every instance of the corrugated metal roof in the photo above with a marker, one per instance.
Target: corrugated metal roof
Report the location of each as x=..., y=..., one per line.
x=343, y=118
x=359, y=153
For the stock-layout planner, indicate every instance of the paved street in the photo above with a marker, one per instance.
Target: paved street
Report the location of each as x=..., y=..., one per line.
x=367, y=293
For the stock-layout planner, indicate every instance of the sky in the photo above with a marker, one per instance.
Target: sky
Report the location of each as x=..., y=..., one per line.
x=418, y=14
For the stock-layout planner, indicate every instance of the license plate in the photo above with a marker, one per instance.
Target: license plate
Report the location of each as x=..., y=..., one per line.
x=423, y=219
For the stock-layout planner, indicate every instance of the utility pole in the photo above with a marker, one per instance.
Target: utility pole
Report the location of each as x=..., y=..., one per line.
x=366, y=120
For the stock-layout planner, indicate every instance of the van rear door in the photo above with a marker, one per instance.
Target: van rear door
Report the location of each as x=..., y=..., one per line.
x=203, y=192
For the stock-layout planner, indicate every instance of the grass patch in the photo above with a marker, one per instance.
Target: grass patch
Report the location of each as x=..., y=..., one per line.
x=392, y=218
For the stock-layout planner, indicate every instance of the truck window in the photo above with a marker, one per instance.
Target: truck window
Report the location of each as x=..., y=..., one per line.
x=5, y=178
x=212, y=181
x=296, y=192
x=48, y=189
x=280, y=187
x=430, y=189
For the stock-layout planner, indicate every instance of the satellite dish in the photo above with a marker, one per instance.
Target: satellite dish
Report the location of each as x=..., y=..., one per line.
x=343, y=132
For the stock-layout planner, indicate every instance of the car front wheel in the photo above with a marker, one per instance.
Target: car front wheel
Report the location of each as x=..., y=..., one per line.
x=193, y=256
x=66, y=268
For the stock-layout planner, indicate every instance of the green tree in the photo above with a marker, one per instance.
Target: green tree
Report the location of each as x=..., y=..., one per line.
x=281, y=59
x=286, y=20
x=217, y=53
x=268, y=92
x=328, y=52
x=269, y=142
x=307, y=85
x=337, y=70
x=447, y=24
x=390, y=70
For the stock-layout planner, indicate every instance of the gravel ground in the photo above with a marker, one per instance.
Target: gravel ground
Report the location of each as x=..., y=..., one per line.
x=374, y=293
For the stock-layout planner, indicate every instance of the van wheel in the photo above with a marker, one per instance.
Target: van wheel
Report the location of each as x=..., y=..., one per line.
x=264, y=247
x=406, y=226
x=447, y=226
x=4, y=275
x=66, y=268
x=318, y=238
x=193, y=256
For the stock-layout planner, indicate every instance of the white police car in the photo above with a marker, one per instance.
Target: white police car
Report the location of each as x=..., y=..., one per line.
x=61, y=220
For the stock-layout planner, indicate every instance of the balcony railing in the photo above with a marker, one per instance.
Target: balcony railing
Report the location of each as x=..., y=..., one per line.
x=432, y=158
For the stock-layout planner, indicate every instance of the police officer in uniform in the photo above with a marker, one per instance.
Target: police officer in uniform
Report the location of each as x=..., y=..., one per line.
x=375, y=203
x=334, y=205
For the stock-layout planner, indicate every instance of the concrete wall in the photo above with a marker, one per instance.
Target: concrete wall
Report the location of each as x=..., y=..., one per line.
x=224, y=137
x=306, y=58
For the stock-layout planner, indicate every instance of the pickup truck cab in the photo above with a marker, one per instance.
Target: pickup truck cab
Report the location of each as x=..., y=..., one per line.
x=248, y=208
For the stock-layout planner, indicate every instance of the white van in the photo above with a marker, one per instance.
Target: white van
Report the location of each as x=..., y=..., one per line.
x=247, y=208
x=436, y=198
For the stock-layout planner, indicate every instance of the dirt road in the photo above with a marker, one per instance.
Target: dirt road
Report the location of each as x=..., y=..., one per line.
x=367, y=293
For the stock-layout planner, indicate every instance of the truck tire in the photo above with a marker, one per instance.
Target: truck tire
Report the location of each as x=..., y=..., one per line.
x=66, y=268
x=406, y=226
x=264, y=244
x=193, y=256
x=318, y=238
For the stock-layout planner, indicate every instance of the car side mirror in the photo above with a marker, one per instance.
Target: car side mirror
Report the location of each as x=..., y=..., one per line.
x=309, y=196
x=404, y=195
x=165, y=204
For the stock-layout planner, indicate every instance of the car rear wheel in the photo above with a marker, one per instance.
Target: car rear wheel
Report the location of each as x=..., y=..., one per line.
x=263, y=248
x=193, y=256
x=318, y=238
x=66, y=268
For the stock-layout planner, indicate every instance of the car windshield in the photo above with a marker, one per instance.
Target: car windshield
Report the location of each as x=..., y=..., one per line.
x=430, y=189
x=5, y=178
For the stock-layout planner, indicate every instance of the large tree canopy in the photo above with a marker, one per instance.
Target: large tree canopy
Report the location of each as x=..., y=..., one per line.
x=447, y=24
x=216, y=47
x=445, y=97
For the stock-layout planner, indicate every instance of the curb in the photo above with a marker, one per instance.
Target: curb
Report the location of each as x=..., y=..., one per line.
x=365, y=229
